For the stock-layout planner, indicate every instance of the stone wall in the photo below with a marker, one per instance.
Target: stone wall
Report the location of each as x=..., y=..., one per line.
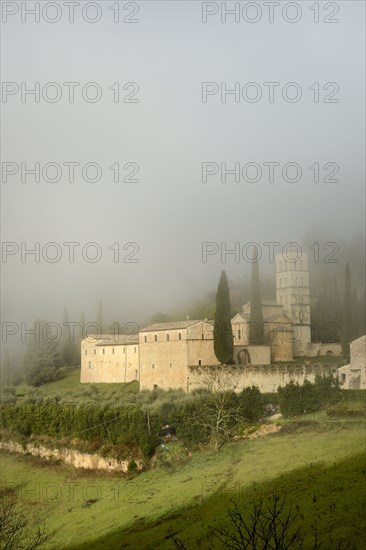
x=266, y=378
x=316, y=348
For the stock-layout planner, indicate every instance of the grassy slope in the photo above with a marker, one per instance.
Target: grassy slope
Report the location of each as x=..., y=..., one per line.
x=191, y=491
x=71, y=382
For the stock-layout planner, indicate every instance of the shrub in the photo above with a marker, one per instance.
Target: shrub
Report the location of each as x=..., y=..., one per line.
x=296, y=400
x=132, y=466
x=345, y=408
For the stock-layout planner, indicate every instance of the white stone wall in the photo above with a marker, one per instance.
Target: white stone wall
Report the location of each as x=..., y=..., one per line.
x=266, y=378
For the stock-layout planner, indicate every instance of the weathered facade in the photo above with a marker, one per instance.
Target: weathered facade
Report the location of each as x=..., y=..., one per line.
x=353, y=376
x=109, y=358
x=166, y=350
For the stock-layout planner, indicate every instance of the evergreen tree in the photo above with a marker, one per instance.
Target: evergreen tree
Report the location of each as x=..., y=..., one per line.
x=347, y=314
x=41, y=359
x=82, y=325
x=256, y=325
x=5, y=369
x=69, y=348
x=100, y=318
x=223, y=334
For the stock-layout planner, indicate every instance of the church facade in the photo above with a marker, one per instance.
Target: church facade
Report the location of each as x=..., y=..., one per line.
x=176, y=354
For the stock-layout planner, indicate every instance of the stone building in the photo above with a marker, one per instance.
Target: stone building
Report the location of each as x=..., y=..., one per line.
x=175, y=354
x=109, y=358
x=278, y=335
x=166, y=350
x=353, y=376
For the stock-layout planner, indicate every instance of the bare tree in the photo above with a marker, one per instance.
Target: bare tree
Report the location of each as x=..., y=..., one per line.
x=15, y=533
x=268, y=526
x=219, y=412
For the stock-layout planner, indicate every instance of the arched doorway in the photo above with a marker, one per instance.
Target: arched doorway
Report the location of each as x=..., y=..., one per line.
x=244, y=357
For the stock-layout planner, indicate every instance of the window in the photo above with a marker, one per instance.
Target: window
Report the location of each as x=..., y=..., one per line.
x=103, y=351
x=134, y=349
x=239, y=334
x=203, y=336
x=167, y=337
x=156, y=337
x=86, y=352
x=199, y=362
x=170, y=365
x=112, y=351
x=155, y=386
x=124, y=350
x=179, y=336
x=153, y=366
x=136, y=376
x=89, y=364
x=145, y=339
x=95, y=352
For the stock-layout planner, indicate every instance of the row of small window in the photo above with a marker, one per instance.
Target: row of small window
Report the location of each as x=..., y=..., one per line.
x=296, y=282
x=103, y=351
x=291, y=266
x=296, y=299
x=167, y=337
x=171, y=364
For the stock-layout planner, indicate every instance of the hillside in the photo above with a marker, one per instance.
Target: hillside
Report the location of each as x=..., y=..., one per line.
x=317, y=463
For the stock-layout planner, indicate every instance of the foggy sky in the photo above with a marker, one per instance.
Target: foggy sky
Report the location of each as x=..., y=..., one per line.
x=169, y=133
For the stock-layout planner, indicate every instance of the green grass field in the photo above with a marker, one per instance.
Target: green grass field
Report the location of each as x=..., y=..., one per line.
x=70, y=382
x=317, y=464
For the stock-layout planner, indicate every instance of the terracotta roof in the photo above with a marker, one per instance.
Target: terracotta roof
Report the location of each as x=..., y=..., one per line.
x=173, y=325
x=114, y=339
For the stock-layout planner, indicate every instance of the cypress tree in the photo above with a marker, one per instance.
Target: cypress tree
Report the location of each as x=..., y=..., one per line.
x=256, y=325
x=82, y=325
x=347, y=314
x=5, y=369
x=41, y=360
x=100, y=317
x=223, y=334
x=70, y=346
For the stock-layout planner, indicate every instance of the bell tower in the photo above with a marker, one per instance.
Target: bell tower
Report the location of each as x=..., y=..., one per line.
x=293, y=293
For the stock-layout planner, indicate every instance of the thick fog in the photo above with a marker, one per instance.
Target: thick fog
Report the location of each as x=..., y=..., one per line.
x=296, y=113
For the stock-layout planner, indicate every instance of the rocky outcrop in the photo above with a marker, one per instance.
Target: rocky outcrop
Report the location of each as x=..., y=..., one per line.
x=72, y=457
